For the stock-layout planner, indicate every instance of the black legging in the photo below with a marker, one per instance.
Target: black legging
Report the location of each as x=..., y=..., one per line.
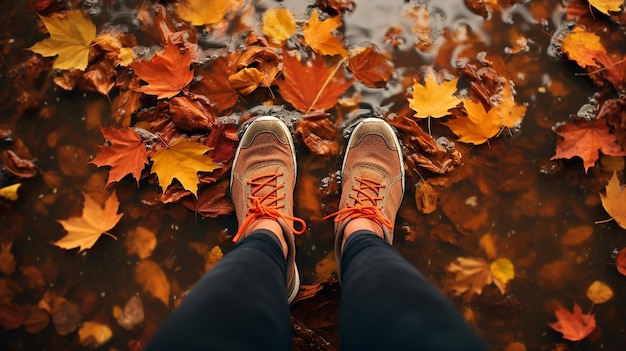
x=386, y=304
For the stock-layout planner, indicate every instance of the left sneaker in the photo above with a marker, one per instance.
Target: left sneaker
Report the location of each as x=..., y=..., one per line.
x=262, y=183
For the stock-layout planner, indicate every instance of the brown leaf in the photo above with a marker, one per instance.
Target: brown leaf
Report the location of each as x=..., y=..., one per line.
x=17, y=165
x=318, y=134
x=35, y=319
x=73, y=161
x=370, y=67
x=7, y=260
x=214, y=84
x=140, y=241
x=132, y=315
x=66, y=318
x=153, y=281
x=620, y=261
x=11, y=316
x=211, y=202
x=192, y=113
x=425, y=197
x=577, y=235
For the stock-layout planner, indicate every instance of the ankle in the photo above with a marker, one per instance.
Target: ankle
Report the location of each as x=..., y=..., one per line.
x=272, y=226
x=362, y=224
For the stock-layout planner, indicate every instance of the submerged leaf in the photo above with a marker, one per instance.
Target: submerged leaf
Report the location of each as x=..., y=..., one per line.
x=598, y=292
x=574, y=326
x=151, y=277
x=94, y=334
x=614, y=202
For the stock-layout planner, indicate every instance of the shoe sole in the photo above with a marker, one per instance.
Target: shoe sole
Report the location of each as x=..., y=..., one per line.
x=292, y=294
x=395, y=138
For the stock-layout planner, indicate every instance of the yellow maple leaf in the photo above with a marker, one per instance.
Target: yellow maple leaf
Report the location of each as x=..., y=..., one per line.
x=614, y=200
x=84, y=231
x=582, y=46
x=433, y=99
x=479, y=125
x=71, y=34
x=279, y=25
x=510, y=113
x=606, y=6
x=201, y=12
x=182, y=159
x=318, y=35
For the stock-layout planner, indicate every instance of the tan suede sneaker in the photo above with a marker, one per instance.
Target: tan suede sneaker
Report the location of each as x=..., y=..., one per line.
x=372, y=179
x=262, y=183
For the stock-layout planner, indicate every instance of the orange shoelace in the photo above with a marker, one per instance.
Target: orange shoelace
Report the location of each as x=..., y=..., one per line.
x=268, y=205
x=365, y=203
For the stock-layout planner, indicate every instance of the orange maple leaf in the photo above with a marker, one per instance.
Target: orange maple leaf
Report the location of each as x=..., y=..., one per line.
x=125, y=154
x=371, y=67
x=614, y=202
x=574, y=326
x=84, y=231
x=167, y=73
x=214, y=84
x=583, y=47
x=311, y=87
x=583, y=139
x=478, y=126
x=318, y=35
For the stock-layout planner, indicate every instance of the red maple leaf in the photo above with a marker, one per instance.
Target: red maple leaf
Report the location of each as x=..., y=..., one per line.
x=574, y=326
x=371, y=67
x=310, y=87
x=167, y=73
x=584, y=139
x=125, y=154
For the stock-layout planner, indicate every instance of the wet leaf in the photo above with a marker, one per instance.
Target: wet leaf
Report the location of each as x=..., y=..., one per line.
x=192, y=113
x=478, y=127
x=7, y=260
x=132, y=315
x=212, y=257
x=425, y=197
x=182, y=159
x=94, y=334
x=606, y=6
x=73, y=161
x=211, y=201
x=502, y=270
x=614, y=202
x=433, y=99
x=246, y=80
x=125, y=154
x=577, y=235
x=140, y=241
x=319, y=35
x=11, y=316
x=150, y=276
x=471, y=274
x=215, y=85
x=370, y=66
x=66, y=318
x=487, y=243
x=167, y=73
x=311, y=87
x=35, y=319
x=620, y=262
x=10, y=192
x=279, y=24
x=574, y=326
x=201, y=12
x=509, y=112
x=17, y=165
x=583, y=47
x=71, y=34
x=84, y=231
x=318, y=134
x=585, y=139
x=598, y=292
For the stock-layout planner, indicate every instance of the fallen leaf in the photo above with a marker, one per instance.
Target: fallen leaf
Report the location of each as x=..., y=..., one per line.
x=212, y=257
x=84, y=231
x=214, y=84
x=574, y=326
x=201, y=12
x=606, y=6
x=211, y=201
x=16, y=165
x=71, y=34
x=478, y=126
x=167, y=73
x=93, y=334
x=584, y=139
x=73, y=161
x=487, y=243
x=125, y=154
x=10, y=192
x=318, y=134
x=182, y=159
x=583, y=47
x=319, y=35
x=11, y=316
x=35, y=319
x=577, y=235
x=66, y=318
x=7, y=260
x=153, y=281
x=598, y=292
x=132, y=315
x=140, y=241
x=279, y=24
x=620, y=261
x=245, y=81
x=510, y=113
x=614, y=202
x=433, y=99
x=370, y=66
x=192, y=112
x=311, y=86
x=503, y=271
x=471, y=274
x=425, y=197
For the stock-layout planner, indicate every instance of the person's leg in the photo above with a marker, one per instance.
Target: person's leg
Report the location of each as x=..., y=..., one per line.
x=240, y=304
x=386, y=304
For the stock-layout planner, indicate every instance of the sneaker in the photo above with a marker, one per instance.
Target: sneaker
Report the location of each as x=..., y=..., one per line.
x=262, y=183
x=372, y=179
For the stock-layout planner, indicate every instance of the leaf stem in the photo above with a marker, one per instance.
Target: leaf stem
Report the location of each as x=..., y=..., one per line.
x=603, y=221
x=332, y=74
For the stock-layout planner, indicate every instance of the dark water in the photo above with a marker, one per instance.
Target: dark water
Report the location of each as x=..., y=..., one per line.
x=525, y=201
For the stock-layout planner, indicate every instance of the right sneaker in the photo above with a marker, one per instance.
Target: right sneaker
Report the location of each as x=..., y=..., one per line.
x=372, y=178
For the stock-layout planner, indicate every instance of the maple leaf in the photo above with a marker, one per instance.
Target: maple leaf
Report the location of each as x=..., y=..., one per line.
x=583, y=47
x=318, y=35
x=125, y=154
x=182, y=159
x=606, y=6
x=371, y=67
x=84, y=231
x=215, y=85
x=201, y=12
x=167, y=73
x=574, y=326
x=71, y=34
x=510, y=113
x=311, y=87
x=246, y=80
x=472, y=274
x=583, y=139
x=279, y=25
x=433, y=99
x=479, y=125
x=614, y=202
